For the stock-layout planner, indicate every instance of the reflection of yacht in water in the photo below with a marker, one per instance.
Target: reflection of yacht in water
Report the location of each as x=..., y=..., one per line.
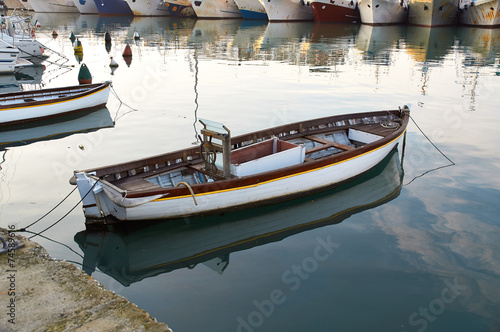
x=130, y=255
x=248, y=39
x=433, y=12
x=378, y=42
x=483, y=45
x=428, y=46
x=214, y=36
x=484, y=13
x=51, y=129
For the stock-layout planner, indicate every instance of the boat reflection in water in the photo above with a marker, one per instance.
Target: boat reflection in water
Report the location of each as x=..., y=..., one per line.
x=50, y=129
x=130, y=254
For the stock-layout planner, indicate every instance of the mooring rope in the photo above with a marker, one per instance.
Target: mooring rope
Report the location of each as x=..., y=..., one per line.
x=24, y=229
x=121, y=103
x=434, y=145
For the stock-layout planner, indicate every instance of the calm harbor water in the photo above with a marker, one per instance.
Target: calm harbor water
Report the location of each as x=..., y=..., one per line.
x=404, y=248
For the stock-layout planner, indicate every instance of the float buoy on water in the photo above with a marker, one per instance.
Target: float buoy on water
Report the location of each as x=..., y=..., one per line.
x=78, y=47
x=127, y=51
x=136, y=35
x=127, y=55
x=72, y=37
x=113, y=63
x=107, y=37
x=84, y=76
x=54, y=34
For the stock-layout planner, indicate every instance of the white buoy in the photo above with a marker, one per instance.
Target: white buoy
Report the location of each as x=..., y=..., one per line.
x=136, y=35
x=113, y=63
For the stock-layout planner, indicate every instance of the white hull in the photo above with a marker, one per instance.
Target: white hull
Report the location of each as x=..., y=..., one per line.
x=253, y=7
x=28, y=48
x=206, y=203
x=167, y=248
x=382, y=11
x=288, y=10
x=8, y=59
x=480, y=13
x=54, y=6
x=433, y=12
x=216, y=9
x=148, y=7
x=52, y=109
x=86, y=6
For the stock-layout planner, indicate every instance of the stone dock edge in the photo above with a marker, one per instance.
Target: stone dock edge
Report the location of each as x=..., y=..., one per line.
x=40, y=293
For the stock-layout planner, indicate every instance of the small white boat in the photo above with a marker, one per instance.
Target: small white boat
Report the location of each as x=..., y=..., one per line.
x=17, y=32
x=433, y=13
x=288, y=10
x=383, y=11
x=216, y=9
x=28, y=106
x=148, y=7
x=53, y=6
x=232, y=173
x=86, y=6
x=9, y=56
x=481, y=13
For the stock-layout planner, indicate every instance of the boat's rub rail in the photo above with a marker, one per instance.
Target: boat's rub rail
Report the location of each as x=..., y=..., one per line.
x=181, y=158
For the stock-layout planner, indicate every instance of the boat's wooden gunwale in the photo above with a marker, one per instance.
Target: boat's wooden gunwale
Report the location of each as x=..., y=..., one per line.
x=122, y=170
x=72, y=93
x=308, y=166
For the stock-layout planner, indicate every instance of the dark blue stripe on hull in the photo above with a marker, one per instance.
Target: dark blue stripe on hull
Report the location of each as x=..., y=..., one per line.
x=251, y=15
x=113, y=7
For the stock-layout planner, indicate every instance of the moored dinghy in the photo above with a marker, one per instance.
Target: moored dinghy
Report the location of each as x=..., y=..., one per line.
x=230, y=173
x=28, y=106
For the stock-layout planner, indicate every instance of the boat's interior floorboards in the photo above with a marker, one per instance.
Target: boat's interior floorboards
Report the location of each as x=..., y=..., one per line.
x=138, y=182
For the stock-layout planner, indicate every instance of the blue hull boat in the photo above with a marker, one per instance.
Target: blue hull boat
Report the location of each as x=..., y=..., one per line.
x=113, y=7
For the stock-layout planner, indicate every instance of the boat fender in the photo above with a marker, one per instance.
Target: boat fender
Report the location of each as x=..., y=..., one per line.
x=125, y=202
x=33, y=32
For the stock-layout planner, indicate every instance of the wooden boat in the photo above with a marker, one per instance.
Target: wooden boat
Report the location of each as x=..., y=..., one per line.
x=167, y=246
x=27, y=106
x=230, y=173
